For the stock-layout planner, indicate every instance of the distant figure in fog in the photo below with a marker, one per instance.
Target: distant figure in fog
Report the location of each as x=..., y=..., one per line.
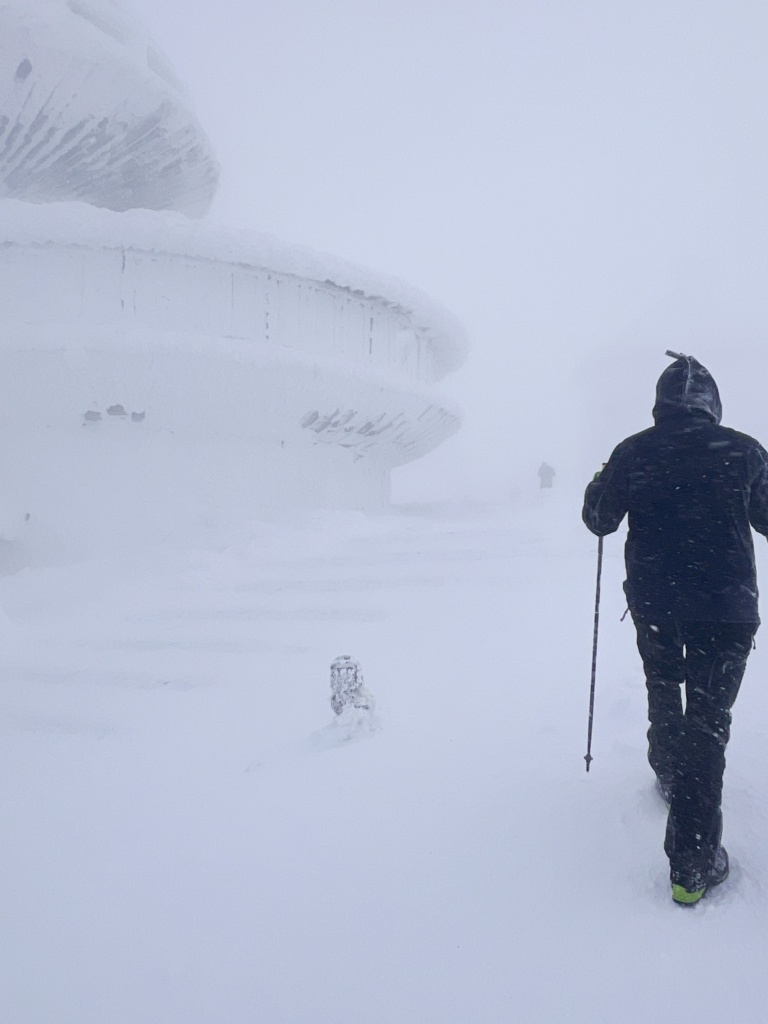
x=546, y=475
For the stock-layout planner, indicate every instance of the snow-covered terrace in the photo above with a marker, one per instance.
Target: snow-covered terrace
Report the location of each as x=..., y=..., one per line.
x=165, y=238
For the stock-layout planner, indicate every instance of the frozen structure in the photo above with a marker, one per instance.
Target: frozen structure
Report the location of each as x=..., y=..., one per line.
x=90, y=110
x=152, y=363
x=348, y=688
x=353, y=703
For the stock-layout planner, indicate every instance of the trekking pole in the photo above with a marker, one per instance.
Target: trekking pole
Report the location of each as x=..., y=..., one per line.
x=588, y=756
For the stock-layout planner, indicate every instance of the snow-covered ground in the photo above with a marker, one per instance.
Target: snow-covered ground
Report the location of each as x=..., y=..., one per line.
x=188, y=839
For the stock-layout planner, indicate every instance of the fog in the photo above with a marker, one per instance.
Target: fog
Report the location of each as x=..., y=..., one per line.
x=190, y=837
x=582, y=184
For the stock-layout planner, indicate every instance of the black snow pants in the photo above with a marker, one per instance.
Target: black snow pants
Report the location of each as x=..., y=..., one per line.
x=686, y=744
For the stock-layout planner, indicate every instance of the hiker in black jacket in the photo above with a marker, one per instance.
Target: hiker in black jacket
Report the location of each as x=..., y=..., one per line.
x=692, y=489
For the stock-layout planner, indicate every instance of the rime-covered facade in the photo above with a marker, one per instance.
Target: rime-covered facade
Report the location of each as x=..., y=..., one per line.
x=304, y=379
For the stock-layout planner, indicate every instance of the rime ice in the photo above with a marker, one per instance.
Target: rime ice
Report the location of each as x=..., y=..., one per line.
x=269, y=377
x=348, y=687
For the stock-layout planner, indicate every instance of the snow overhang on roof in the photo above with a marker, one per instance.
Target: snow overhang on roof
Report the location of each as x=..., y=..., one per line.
x=80, y=224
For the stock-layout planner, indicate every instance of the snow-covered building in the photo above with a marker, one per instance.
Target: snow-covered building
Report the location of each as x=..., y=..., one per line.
x=90, y=110
x=159, y=355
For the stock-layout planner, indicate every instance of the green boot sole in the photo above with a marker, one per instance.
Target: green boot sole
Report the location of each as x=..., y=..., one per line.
x=685, y=897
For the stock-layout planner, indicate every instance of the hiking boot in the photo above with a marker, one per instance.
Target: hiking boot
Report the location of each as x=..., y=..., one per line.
x=687, y=896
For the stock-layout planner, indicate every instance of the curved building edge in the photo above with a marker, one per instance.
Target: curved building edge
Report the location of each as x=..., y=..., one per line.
x=90, y=111
x=207, y=346
x=144, y=230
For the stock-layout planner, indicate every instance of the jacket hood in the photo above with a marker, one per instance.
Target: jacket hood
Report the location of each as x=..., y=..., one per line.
x=687, y=387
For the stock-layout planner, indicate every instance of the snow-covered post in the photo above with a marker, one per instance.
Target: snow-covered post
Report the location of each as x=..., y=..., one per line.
x=348, y=687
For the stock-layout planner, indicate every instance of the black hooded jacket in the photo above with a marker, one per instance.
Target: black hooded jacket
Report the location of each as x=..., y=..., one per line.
x=692, y=489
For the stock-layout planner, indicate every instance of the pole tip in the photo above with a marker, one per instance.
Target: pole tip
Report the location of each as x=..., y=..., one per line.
x=589, y=759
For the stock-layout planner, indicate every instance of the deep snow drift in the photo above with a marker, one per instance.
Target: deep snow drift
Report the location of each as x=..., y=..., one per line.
x=187, y=839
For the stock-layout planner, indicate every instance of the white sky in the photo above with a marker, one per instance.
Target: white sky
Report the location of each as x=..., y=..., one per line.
x=582, y=183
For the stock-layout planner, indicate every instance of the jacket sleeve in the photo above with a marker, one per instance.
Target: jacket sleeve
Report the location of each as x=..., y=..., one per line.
x=758, y=493
x=607, y=498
